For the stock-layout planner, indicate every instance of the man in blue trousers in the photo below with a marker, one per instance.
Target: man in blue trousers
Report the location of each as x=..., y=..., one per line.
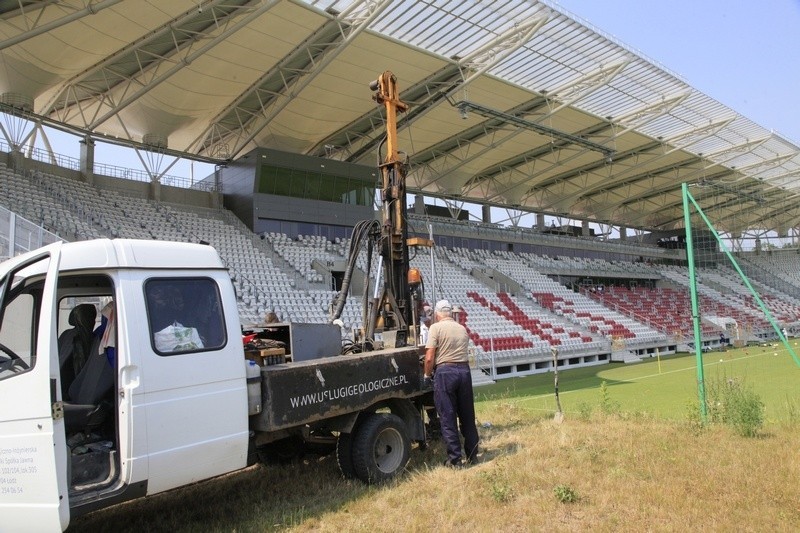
x=447, y=359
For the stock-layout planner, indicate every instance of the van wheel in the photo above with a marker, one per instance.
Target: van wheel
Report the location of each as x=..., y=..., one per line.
x=344, y=455
x=380, y=448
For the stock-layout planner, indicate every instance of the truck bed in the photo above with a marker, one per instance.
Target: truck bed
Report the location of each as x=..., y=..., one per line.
x=299, y=393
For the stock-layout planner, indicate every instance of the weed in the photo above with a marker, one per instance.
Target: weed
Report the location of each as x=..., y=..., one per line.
x=607, y=405
x=501, y=492
x=500, y=488
x=737, y=406
x=746, y=412
x=584, y=411
x=592, y=450
x=694, y=418
x=291, y=517
x=792, y=412
x=565, y=494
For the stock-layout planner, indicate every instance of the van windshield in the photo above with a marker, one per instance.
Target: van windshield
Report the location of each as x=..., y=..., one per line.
x=11, y=362
x=18, y=323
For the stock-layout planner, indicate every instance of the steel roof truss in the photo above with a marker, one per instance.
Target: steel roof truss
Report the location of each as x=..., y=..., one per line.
x=137, y=60
x=785, y=179
x=539, y=152
x=671, y=185
x=487, y=128
x=21, y=8
x=349, y=23
x=498, y=49
x=726, y=203
x=476, y=64
x=570, y=93
x=486, y=112
x=636, y=154
x=34, y=28
x=619, y=159
x=362, y=134
x=753, y=170
x=441, y=163
x=686, y=139
x=606, y=188
x=192, y=54
x=638, y=118
x=726, y=155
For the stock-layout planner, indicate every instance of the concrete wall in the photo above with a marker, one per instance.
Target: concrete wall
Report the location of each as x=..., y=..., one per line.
x=238, y=183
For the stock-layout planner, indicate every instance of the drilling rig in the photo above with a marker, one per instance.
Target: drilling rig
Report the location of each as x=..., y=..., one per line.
x=393, y=309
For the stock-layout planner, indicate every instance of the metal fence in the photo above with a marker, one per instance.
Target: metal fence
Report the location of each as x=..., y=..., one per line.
x=19, y=235
x=113, y=171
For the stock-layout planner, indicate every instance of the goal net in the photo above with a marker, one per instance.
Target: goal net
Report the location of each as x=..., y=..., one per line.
x=743, y=280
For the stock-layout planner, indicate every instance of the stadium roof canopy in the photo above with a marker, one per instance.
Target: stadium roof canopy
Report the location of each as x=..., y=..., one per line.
x=513, y=103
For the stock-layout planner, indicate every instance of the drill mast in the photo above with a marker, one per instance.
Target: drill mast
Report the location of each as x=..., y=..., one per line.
x=395, y=311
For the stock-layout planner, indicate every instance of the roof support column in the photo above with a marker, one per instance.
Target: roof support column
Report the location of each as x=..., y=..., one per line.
x=155, y=190
x=585, y=229
x=487, y=214
x=217, y=199
x=540, y=221
x=623, y=233
x=738, y=240
x=87, y=159
x=16, y=160
x=419, y=204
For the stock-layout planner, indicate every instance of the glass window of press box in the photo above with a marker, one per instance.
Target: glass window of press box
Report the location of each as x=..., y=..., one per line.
x=315, y=185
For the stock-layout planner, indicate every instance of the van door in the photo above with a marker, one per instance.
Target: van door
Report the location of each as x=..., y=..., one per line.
x=195, y=393
x=33, y=457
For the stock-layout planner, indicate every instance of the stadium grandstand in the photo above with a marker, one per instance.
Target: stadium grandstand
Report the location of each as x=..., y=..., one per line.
x=544, y=158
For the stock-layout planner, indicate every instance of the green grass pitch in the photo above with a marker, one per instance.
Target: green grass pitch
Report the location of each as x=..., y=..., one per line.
x=666, y=389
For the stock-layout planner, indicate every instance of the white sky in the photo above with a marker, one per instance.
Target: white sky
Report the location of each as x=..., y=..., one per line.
x=743, y=54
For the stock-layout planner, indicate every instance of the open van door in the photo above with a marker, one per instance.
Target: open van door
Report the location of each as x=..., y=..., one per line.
x=33, y=472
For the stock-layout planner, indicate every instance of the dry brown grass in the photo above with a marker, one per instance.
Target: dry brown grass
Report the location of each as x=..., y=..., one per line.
x=628, y=474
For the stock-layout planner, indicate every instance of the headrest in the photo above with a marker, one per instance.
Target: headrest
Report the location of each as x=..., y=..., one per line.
x=83, y=316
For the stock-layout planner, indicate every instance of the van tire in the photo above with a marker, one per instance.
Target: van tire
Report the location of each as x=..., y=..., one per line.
x=344, y=455
x=380, y=448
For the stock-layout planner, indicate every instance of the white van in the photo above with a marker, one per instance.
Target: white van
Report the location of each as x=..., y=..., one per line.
x=122, y=375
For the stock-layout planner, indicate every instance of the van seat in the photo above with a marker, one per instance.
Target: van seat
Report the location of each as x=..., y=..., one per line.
x=86, y=408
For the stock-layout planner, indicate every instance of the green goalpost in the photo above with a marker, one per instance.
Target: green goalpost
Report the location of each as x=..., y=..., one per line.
x=714, y=254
